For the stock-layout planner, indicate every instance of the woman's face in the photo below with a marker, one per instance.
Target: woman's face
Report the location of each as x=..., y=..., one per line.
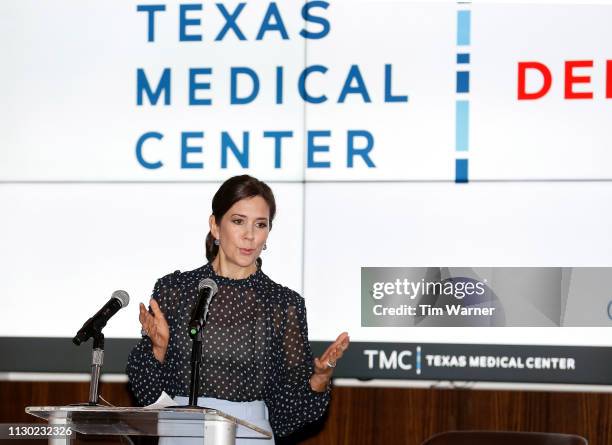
x=242, y=231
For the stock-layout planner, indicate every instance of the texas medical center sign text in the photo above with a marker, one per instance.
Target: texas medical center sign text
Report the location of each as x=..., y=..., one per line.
x=275, y=85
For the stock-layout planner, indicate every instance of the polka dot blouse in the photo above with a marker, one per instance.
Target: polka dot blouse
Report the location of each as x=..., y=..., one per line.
x=255, y=347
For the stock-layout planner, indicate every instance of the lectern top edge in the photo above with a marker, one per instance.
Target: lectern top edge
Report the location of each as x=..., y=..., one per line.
x=91, y=412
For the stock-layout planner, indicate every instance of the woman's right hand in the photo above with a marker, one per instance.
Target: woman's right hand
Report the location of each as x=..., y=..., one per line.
x=156, y=327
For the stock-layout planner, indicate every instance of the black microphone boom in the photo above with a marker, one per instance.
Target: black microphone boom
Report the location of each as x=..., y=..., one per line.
x=94, y=325
x=207, y=289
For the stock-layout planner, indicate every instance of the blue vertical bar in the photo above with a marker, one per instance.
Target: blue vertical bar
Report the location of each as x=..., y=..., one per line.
x=462, y=116
x=463, y=58
x=463, y=27
x=461, y=170
x=462, y=110
x=463, y=81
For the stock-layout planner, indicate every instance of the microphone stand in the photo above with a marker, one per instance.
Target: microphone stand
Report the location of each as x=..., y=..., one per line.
x=97, y=360
x=196, y=326
x=196, y=360
x=93, y=328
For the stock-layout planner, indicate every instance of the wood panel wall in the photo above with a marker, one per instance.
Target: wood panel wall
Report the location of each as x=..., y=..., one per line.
x=372, y=416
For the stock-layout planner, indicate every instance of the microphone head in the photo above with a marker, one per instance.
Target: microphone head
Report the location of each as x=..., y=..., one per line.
x=207, y=282
x=122, y=296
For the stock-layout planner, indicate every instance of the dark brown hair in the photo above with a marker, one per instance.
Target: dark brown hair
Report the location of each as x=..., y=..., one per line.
x=230, y=192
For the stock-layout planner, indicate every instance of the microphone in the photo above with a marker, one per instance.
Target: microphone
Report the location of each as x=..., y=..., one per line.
x=207, y=289
x=119, y=299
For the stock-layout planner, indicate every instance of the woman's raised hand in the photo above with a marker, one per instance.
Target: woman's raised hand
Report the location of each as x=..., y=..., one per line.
x=324, y=365
x=156, y=327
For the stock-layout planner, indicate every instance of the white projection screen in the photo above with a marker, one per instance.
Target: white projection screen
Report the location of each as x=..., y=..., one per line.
x=393, y=134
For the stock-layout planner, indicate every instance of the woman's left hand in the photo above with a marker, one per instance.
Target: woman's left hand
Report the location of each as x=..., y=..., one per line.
x=324, y=365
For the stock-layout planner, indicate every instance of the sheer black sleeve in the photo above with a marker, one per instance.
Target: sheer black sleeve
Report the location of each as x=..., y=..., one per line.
x=292, y=402
x=147, y=376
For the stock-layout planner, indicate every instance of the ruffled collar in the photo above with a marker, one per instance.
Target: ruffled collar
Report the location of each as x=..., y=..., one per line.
x=221, y=280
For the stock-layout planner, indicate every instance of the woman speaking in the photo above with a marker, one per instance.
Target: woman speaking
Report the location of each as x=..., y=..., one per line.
x=256, y=359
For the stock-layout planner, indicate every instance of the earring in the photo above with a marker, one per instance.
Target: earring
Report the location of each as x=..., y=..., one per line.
x=216, y=242
x=265, y=246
